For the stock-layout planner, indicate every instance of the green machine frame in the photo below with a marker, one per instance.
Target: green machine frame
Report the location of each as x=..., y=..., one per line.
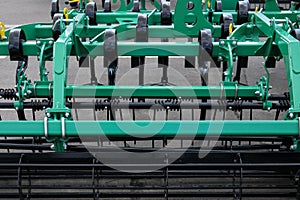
x=274, y=25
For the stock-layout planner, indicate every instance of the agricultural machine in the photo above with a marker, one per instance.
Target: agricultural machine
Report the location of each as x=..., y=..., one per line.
x=159, y=99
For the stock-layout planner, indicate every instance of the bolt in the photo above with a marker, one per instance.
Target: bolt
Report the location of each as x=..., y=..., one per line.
x=257, y=93
x=52, y=147
x=17, y=108
x=50, y=42
x=230, y=108
x=291, y=115
x=168, y=107
x=38, y=43
x=67, y=115
x=220, y=58
x=269, y=109
x=105, y=107
x=17, y=94
x=293, y=147
x=234, y=43
x=29, y=92
x=25, y=94
x=222, y=42
x=48, y=115
x=0, y=97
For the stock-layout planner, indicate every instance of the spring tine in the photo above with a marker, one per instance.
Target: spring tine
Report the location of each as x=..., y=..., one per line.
x=141, y=36
x=94, y=112
x=75, y=109
x=21, y=115
x=241, y=114
x=241, y=63
x=154, y=114
x=277, y=114
x=225, y=65
x=29, y=184
x=111, y=54
x=94, y=80
x=20, y=178
x=121, y=114
x=93, y=179
x=241, y=177
x=133, y=111
x=166, y=183
x=166, y=19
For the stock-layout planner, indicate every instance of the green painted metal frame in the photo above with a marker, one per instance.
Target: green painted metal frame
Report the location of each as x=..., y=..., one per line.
x=273, y=24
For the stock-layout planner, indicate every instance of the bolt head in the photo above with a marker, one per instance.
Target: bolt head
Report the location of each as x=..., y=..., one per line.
x=291, y=115
x=17, y=108
x=50, y=42
x=29, y=92
x=38, y=43
x=48, y=115
x=222, y=42
x=67, y=115
x=230, y=108
x=293, y=147
x=234, y=43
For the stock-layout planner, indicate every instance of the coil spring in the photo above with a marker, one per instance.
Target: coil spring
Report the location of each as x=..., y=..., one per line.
x=39, y=105
x=174, y=102
x=8, y=94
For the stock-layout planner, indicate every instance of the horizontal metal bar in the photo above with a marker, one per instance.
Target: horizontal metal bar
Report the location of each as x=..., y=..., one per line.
x=42, y=90
x=189, y=129
x=150, y=49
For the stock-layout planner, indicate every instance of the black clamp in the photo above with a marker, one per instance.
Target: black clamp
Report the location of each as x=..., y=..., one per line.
x=136, y=6
x=54, y=7
x=218, y=6
x=107, y=5
x=242, y=8
x=91, y=11
x=166, y=14
x=15, y=45
x=226, y=20
x=111, y=54
x=56, y=32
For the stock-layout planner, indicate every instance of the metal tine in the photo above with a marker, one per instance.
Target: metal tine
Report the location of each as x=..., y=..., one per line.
x=141, y=36
x=20, y=177
x=205, y=41
x=111, y=54
x=166, y=19
x=241, y=63
x=75, y=109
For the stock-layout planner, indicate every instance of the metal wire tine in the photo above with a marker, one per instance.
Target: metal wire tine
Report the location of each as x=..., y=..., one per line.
x=75, y=109
x=94, y=111
x=20, y=177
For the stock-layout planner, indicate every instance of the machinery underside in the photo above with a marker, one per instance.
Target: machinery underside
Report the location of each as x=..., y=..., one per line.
x=159, y=99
